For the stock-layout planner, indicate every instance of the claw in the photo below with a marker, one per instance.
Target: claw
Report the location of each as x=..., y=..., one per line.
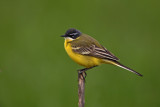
x=83, y=73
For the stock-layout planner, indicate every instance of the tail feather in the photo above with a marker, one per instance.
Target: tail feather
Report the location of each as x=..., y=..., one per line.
x=129, y=69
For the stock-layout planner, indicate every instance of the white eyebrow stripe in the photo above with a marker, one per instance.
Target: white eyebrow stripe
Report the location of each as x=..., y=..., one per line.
x=73, y=33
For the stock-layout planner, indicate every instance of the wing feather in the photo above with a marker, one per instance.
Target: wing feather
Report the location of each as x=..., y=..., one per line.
x=94, y=51
x=89, y=46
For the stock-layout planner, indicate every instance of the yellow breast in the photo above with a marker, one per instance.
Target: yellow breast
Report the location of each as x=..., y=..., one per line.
x=83, y=60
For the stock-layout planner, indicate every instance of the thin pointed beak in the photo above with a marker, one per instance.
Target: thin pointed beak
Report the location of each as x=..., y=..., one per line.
x=63, y=35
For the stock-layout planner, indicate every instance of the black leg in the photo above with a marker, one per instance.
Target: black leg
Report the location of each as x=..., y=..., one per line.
x=83, y=71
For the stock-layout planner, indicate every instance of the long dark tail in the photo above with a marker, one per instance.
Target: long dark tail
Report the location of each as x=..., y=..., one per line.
x=124, y=67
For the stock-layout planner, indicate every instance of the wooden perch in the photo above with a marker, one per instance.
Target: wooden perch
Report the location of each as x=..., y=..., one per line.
x=81, y=89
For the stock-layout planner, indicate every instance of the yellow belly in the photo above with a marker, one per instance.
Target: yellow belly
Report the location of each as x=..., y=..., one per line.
x=83, y=60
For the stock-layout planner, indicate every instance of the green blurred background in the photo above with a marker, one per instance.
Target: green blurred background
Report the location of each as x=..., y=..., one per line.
x=37, y=72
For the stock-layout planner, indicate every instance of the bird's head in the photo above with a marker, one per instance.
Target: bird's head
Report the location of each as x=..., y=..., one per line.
x=71, y=34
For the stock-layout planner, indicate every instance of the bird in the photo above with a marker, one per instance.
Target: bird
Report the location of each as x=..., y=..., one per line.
x=88, y=52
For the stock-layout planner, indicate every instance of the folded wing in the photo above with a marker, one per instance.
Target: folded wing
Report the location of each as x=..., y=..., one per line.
x=95, y=51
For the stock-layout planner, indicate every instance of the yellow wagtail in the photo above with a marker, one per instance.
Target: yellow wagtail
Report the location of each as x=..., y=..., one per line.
x=87, y=51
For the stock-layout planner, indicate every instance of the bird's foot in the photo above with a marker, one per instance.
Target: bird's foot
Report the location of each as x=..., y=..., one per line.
x=82, y=73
